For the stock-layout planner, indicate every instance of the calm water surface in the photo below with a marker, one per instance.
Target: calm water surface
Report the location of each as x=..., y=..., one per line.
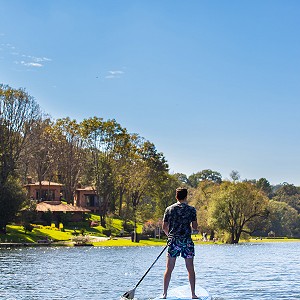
x=248, y=271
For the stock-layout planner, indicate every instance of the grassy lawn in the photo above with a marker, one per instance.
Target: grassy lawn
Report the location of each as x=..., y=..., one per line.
x=16, y=234
x=273, y=240
x=122, y=242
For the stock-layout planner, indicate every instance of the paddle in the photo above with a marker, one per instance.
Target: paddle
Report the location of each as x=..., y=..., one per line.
x=130, y=294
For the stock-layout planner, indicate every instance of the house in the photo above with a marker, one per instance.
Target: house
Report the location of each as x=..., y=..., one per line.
x=57, y=208
x=51, y=191
x=44, y=190
x=48, y=195
x=87, y=197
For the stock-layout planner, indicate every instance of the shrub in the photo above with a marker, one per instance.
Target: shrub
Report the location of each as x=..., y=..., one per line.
x=82, y=240
x=107, y=232
x=129, y=227
x=28, y=227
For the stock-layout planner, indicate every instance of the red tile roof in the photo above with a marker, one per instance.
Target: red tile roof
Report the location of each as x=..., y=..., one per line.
x=58, y=206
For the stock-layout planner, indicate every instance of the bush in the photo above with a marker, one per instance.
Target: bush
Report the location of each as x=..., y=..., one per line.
x=107, y=232
x=129, y=227
x=28, y=227
x=82, y=240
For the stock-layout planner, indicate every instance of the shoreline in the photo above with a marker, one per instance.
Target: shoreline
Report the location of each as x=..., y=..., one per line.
x=123, y=242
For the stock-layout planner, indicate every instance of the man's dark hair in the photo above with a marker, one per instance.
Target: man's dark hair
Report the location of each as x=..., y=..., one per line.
x=181, y=193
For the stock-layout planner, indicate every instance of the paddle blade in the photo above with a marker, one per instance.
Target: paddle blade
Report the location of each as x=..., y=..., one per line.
x=129, y=294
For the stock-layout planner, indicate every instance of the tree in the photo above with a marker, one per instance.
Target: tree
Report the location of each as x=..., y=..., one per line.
x=182, y=178
x=264, y=185
x=40, y=151
x=283, y=218
x=165, y=193
x=204, y=175
x=235, y=175
x=237, y=208
x=201, y=199
x=290, y=194
x=18, y=113
x=146, y=170
x=11, y=198
x=123, y=159
x=102, y=139
x=70, y=154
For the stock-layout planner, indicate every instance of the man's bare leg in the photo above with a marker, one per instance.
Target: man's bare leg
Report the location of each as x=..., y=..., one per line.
x=189, y=262
x=167, y=276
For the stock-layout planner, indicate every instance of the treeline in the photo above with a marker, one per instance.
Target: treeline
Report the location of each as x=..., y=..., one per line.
x=241, y=208
x=129, y=174
x=126, y=170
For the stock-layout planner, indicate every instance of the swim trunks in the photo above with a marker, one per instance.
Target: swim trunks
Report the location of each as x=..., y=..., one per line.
x=181, y=246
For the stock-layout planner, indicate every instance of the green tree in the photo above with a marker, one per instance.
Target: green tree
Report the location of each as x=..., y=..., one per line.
x=235, y=175
x=264, y=185
x=11, y=198
x=290, y=194
x=283, y=219
x=204, y=175
x=70, y=154
x=165, y=193
x=146, y=172
x=182, y=178
x=201, y=199
x=237, y=208
x=102, y=139
x=41, y=151
x=18, y=113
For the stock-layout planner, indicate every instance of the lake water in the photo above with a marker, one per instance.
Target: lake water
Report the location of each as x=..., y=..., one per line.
x=246, y=271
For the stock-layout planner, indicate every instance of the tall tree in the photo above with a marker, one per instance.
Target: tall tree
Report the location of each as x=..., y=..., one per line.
x=283, y=219
x=237, y=208
x=102, y=137
x=264, y=185
x=70, y=154
x=201, y=199
x=235, y=175
x=41, y=151
x=11, y=198
x=18, y=112
x=290, y=194
x=146, y=171
x=204, y=175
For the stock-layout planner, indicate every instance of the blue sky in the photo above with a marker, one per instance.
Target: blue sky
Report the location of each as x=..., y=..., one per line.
x=213, y=84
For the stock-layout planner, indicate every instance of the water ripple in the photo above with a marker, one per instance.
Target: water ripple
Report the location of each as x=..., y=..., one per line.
x=228, y=272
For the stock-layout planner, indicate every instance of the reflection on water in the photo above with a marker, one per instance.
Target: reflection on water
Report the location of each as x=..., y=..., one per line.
x=249, y=271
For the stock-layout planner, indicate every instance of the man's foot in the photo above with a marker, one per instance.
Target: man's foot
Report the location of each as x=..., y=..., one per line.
x=163, y=296
x=195, y=297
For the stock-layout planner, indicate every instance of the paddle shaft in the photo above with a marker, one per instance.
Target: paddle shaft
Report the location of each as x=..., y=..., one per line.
x=151, y=266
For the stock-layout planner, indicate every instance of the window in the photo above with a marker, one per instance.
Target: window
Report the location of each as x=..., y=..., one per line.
x=45, y=195
x=91, y=200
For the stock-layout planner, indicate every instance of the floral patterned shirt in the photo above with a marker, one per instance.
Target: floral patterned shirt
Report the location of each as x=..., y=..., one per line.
x=179, y=217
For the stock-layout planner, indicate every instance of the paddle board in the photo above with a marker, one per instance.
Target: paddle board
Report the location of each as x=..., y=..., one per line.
x=184, y=293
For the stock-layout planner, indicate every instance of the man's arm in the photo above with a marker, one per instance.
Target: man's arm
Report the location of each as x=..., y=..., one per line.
x=165, y=228
x=195, y=226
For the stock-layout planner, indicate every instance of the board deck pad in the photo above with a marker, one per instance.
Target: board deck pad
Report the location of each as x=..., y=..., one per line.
x=184, y=293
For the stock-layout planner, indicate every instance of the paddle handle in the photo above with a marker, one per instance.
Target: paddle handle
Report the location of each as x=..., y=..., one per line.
x=151, y=266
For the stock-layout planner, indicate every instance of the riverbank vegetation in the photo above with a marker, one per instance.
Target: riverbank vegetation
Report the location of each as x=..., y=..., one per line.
x=131, y=179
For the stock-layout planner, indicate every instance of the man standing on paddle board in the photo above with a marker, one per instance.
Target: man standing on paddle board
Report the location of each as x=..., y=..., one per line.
x=178, y=221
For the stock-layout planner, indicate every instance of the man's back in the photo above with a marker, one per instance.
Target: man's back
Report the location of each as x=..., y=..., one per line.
x=179, y=217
